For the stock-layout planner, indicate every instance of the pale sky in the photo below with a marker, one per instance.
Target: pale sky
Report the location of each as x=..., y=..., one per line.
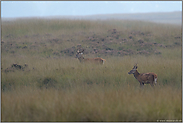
x=14, y=9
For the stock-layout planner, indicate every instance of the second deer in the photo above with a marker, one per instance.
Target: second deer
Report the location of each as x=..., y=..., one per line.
x=144, y=78
x=79, y=55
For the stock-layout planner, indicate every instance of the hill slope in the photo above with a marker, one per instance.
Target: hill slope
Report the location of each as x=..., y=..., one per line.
x=161, y=17
x=112, y=37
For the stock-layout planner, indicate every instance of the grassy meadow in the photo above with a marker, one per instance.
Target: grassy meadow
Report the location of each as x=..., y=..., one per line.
x=57, y=87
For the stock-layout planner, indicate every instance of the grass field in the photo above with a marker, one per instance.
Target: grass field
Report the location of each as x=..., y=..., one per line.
x=57, y=87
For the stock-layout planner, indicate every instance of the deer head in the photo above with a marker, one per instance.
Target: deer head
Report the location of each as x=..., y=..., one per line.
x=79, y=54
x=133, y=69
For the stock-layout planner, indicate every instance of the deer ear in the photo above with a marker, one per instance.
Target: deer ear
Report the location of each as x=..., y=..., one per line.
x=135, y=65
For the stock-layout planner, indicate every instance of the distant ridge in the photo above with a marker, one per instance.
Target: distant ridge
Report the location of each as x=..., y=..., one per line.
x=158, y=17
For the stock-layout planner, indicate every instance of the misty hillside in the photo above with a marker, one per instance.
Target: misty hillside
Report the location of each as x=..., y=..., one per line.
x=163, y=17
x=43, y=79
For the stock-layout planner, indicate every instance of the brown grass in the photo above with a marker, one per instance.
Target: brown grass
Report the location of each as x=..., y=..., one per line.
x=92, y=103
x=60, y=88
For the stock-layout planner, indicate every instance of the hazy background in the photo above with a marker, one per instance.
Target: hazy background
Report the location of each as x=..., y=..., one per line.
x=14, y=9
x=54, y=86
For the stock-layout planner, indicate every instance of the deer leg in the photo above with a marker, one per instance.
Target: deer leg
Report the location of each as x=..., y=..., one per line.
x=141, y=84
x=151, y=83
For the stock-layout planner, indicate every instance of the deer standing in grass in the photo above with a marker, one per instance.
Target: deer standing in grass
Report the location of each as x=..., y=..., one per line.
x=79, y=55
x=144, y=78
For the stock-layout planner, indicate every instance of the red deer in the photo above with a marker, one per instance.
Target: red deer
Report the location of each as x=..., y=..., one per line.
x=144, y=78
x=79, y=55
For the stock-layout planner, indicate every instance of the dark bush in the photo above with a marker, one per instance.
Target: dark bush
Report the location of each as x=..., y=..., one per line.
x=48, y=83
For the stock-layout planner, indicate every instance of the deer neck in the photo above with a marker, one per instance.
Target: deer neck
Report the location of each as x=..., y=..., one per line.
x=136, y=74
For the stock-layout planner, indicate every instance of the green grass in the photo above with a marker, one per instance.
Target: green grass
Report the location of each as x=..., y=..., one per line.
x=84, y=92
x=60, y=88
x=115, y=69
x=92, y=103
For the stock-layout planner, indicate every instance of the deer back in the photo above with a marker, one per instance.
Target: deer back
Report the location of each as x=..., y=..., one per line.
x=146, y=77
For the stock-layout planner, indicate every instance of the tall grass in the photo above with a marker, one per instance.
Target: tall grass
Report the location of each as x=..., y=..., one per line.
x=62, y=89
x=114, y=70
x=94, y=103
x=86, y=92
